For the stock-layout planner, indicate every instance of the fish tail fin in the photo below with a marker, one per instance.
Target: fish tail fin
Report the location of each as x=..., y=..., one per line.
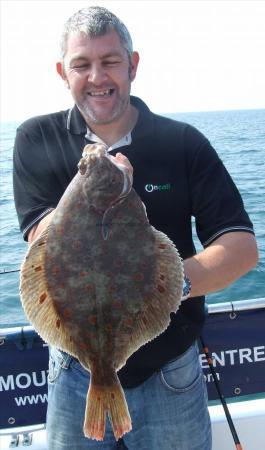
x=118, y=410
x=95, y=415
x=109, y=399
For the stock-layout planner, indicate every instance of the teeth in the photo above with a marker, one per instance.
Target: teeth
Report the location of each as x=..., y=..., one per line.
x=100, y=93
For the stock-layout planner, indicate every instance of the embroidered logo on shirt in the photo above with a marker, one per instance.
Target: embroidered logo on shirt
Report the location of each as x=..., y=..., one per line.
x=157, y=187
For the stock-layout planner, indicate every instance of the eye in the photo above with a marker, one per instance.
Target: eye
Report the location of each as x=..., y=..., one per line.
x=79, y=66
x=111, y=63
x=82, y=67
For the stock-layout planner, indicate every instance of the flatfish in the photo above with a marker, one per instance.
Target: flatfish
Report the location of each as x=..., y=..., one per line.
x=100, y=282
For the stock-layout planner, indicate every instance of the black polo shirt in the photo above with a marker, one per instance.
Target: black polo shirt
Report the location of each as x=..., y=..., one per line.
x=177, y=174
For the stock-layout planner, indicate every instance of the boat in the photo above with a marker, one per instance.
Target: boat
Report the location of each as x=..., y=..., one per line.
x=232, y=357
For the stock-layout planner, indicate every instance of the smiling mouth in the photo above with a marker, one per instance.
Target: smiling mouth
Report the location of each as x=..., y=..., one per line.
x=103, y=93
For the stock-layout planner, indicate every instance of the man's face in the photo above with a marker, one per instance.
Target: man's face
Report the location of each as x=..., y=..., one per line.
x=99, y=74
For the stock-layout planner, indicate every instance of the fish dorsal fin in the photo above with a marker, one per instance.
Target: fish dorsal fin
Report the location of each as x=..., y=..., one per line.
x=35, y=296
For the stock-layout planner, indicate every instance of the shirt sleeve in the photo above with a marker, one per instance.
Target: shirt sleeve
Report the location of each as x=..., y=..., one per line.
x=33, y=184
x=216, y=202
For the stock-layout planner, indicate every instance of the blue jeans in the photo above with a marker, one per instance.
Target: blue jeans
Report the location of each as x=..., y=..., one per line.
x=168, y=411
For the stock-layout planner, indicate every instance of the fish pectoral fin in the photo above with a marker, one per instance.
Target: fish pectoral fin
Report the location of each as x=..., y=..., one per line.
x=102, y=399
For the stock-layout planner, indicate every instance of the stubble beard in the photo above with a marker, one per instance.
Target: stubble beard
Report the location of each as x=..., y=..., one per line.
x=92, y=116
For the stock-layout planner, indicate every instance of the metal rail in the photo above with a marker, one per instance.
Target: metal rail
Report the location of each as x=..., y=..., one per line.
x=240, y=305
x=212, y=308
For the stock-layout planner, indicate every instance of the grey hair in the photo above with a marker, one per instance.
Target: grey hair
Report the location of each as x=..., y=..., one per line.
x=93, y=22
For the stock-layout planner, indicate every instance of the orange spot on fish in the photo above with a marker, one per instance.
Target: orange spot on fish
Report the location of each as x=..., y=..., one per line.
x=37, y=269
x=112, y=395
x=60, y=229
x=160, y=288
x=118, y=432
x=67, y=313
x=112, y=288
x=163, y=246
x=92, y=319
x=108, y=327
x=58, y=323
x=76, y=245
x=109, y=346
x=89, y=287
x=109, y=274
x=138, y=277
x=118, y=263
x=82, y=274
x=117, y=304
x=55, y=270
x=128, y=322
x=88, y=335
x=82, y=345
x=41, y=243
x=42, y=297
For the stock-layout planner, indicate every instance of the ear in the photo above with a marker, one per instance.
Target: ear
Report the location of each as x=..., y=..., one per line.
x=134, y=64
x=61, y=72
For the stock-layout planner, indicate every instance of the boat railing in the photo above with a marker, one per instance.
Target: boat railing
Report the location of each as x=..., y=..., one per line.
x=236, y=306
x=233, y=332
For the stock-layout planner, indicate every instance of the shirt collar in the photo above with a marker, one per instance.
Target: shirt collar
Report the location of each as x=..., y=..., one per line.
x=125, y=140
x=75, y=123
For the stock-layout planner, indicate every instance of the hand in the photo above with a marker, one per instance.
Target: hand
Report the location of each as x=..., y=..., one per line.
x=122, y=160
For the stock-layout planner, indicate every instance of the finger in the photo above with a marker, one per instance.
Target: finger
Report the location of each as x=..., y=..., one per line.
x=122, y=159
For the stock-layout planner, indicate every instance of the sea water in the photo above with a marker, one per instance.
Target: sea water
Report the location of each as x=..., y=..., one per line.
x=238, y=137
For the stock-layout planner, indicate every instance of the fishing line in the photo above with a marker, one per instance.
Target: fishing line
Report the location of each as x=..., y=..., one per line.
x=221, y=397
x=9, y=271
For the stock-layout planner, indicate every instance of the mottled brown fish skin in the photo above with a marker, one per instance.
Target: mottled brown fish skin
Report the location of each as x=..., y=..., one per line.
x=105, y=280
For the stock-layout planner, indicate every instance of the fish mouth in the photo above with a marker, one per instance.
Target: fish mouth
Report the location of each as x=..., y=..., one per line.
x=101, y=93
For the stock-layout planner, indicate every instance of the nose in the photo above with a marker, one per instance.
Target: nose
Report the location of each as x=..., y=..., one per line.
x=97, y=74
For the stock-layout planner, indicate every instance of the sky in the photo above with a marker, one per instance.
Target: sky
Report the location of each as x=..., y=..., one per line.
x=195, y=55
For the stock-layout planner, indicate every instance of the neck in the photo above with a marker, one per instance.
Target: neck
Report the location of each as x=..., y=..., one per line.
x=112, y=132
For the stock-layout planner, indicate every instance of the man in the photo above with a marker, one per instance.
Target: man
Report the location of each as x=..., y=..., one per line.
x=178, y=175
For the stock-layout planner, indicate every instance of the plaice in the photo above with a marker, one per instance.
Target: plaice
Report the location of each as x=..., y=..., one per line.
x=100, y=282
